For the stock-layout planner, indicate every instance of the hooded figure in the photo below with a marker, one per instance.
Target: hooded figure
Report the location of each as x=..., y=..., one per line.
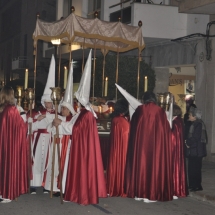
x=149, y=160
x=67, y=112
x=133, y=103
x=118, y=142
x=41, y=143
x=49, y=83
x=68, y=96
x=83, y=92
x=85, y=160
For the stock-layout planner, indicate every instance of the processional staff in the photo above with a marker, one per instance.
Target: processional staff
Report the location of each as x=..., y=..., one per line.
x=56, y=97
x=30, y=98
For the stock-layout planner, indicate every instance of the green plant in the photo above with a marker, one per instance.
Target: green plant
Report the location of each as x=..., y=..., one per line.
x=127, y=75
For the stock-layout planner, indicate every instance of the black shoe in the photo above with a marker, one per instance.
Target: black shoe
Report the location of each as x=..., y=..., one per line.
x=57, y=194
x=196, y=189
x=45, y=191
x=33, y=191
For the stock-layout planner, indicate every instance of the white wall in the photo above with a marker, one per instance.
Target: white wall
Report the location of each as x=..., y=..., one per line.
x=197, y=23
x=60, y=4
x=161, y=21
x=78, y=4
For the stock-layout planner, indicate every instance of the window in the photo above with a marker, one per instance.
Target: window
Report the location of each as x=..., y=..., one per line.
x=94, y=5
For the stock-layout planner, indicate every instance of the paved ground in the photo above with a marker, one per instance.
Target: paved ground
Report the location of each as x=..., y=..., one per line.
x=208, y=183
x=201, y=202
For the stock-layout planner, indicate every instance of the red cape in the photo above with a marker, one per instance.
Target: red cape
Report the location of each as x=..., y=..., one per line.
x=117, y=157
x=179, y=169
x=13, y=154
x=85, y=181
x=149, y=162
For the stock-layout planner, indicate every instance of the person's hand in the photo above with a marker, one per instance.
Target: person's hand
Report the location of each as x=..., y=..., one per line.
x=56, y=122
x=30, y=120
x=186, y=144
x=39, y=118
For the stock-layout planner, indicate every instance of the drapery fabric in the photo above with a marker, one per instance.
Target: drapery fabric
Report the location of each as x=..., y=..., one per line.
x=85, y=181
x=90, y=33
x=117, y=157
x=149, y=172
x=179, y=165
x=13, y=154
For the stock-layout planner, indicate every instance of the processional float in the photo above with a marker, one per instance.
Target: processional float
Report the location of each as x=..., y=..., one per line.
x=88, y=33
x=91, y=33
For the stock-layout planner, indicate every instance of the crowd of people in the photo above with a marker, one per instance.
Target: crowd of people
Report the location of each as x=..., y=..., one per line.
x=146, y=158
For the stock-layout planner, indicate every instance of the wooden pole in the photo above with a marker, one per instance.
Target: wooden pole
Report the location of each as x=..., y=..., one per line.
x=59, y=53
x=35, y=66
x=83, y=57
x=138, y=75
x=103, y=74
x=56, y=142
x=117, y=71
x=53, y=162
x=30, y=143
x=70, y=54
x=94, y=70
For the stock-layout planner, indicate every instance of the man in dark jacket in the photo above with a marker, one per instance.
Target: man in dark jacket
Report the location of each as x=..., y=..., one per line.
x=196, y=149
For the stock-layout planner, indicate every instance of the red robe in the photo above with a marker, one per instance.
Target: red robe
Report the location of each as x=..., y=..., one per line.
x=179, y=166
x=85, y=181
x=149, y=161
x=117, y=157
x=13, y=154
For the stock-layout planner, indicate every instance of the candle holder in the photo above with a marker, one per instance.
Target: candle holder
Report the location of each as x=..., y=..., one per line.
x=164, y=100
x=28, y=98
x=19, y=95
x=56, y=95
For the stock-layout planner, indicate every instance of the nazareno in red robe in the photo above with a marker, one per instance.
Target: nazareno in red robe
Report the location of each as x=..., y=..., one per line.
x=117, y=156
x=179, y=165
x=85, y=181
x=13, y=154
x=149, y=161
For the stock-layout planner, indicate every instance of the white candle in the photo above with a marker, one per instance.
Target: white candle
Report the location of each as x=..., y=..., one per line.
x=100, y=109
x=65, y=77
x=106, y=86
x=111, y=109
x=146, y=84
x=30, y=95
x=54, y=95
x=26, y=79
x=19, y=92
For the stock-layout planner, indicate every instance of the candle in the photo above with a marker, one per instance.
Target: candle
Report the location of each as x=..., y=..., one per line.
x=146, y=84
x=100, y=109
x=26, y=79
x=19, y=92
x=111, y=109
x=65, y=77
x=54, y=95
x=161, y=98
x=106, y=86
x=30, y=95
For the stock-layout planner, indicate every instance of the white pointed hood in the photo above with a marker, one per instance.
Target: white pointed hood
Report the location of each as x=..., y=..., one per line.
x=50, y=83
x=133, y=103
x=83, y=92
x=68, y=96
